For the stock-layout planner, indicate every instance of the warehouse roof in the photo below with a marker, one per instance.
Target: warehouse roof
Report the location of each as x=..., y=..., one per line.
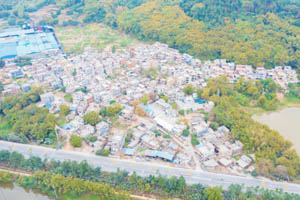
x=19, y=42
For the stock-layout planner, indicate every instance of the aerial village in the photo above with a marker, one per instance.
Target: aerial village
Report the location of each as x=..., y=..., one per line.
x=156, y=120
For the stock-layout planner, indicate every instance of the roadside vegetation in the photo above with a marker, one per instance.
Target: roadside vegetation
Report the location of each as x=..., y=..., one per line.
x=76, y=141
x=71, y=179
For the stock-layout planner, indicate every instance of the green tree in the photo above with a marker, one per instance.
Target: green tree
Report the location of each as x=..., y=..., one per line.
x=145, y=99
x=181, y=112
x=64, y=110
x=188, y=89
x=199, y=92
x=185, y=132
x=214, y=193
x=262, y=101
x=214, y=126
x=113, y=109
x=194, y=140
x=103, y=152
x=76, y=141
x=68, y=98
x=91, y=118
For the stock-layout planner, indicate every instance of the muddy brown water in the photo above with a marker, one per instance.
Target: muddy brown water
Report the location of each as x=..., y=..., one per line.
x=286, y=122
x=15, y=192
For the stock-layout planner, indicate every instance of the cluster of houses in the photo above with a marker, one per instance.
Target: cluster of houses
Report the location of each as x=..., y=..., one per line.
x=97, y=79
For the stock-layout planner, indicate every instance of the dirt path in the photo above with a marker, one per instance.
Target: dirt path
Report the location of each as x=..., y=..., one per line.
x=14, y=172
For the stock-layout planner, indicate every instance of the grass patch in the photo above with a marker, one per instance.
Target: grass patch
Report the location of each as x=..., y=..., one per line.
x=61, y=122
x=82, y=197
x=75, y=39
x=68, y=98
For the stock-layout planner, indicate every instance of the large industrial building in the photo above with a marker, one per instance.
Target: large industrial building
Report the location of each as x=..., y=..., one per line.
x=24, y=42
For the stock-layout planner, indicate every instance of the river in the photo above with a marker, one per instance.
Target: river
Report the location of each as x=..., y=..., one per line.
x=286, y=122
x=14, y=192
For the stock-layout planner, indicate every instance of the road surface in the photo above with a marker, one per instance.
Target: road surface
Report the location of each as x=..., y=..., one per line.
x=147, y=168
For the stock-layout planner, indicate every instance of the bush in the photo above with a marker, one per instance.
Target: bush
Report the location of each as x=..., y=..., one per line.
x=194, y=140
x=23, y=61
x=254, y=173
x=68, y=98
x=157, y=133
x=166, y=136
x=76, y=141
x=92, y=139
x=70, y=23
x=64, y=110
x=214, y=126
x=181, y=112
x=103, y=152
x=185, y=132
x=188, y=89
x=5, y=177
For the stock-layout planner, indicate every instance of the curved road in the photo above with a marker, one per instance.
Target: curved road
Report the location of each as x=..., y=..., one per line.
x=147, y=168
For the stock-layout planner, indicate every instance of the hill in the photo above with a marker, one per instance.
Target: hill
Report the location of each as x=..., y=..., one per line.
x=257, y=32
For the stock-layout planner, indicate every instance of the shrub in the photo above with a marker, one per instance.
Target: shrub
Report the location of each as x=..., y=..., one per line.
x=194, y=140
x=92, y=139
x=103, y=152
x=185, y=132
x=254, y=173
x=76, y=141
x=181, y=112
x=214, y=126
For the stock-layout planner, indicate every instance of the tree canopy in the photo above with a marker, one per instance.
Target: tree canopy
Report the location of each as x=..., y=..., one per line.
x=91, y=118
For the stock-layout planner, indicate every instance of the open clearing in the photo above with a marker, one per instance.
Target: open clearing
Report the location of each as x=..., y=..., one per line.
x=99, y=36
x=43, y=13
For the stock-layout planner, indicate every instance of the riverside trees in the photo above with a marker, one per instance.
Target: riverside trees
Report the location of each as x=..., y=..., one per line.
x=57, y=178
x=270, y=148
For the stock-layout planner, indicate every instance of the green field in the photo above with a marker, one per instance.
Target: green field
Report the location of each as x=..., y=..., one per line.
x=75, y=39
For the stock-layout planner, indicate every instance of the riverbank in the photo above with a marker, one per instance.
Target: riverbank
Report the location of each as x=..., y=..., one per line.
x=41, y=196
x=285, y=102
x=285, y=121
x=57, y=179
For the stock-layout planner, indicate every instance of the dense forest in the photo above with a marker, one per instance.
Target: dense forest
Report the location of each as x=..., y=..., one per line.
x=23, y=121
x=257, y=32
x=69, y=177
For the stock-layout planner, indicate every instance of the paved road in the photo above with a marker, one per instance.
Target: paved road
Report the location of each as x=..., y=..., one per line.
x=147, y=168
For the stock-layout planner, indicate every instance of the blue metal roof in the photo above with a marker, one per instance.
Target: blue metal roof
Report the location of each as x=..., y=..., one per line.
x=8, y=50
x=21, y=43
x=200, y=101
x=67, y=127
x=162, y=155
x=146, y=108
x=165, y=155
x=128, y=151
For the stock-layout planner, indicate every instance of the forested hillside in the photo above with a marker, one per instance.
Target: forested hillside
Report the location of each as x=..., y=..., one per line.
x=257, y=32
